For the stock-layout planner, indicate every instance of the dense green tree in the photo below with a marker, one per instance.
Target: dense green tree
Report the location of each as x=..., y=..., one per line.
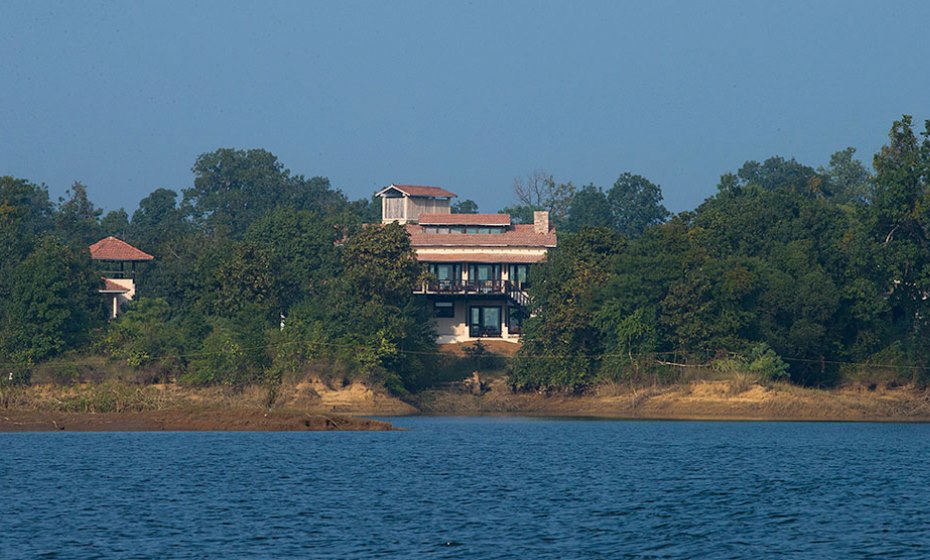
x=849, y=180
x=77, y=218
x=380, y=265
x=53, y=304
x=145, y=335
x=25, y=213
x=635, y=204
x=589, y=208
x=233, y=188
x=158, y=220
x=115, y=223
x=900, y=228
x=562, y=342
x=776, y=173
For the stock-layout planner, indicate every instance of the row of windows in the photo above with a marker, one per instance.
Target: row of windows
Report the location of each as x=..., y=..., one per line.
x=484, y=320
x=463, y=229
x=478, y=272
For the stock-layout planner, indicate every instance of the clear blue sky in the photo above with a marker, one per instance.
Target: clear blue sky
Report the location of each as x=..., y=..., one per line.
x=123, y=96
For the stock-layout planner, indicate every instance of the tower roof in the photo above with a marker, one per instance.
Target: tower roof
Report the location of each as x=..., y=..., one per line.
x=113, y=249
x=418, y=190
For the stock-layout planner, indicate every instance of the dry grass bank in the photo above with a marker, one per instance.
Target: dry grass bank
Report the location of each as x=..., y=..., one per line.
x=311, y=404
x=120, y=406
x=735, y=399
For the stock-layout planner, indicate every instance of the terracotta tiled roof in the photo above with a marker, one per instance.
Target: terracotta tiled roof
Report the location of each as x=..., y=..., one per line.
x=465, y=219
x=113, y=249
x=418, y=190
x=481, y=258
x=521, y=235
x=111, y=286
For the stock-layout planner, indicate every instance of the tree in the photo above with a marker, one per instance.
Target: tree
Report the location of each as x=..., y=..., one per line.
x=900, y=227
x=52, y=303
x=25, y=214
x=776, y=173
x=233, y=188
x=562, y=340
x=589, y=208
x=158, y=220
x=850, y=181
x=380, y=264
x=146, y=335
x=115, y=223
x=466, y=206
x=635, y=204
x=539, y=191
x=77, y=218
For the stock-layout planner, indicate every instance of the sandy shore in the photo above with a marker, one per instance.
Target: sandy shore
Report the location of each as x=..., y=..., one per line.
x=313, y=405
x=697, y=400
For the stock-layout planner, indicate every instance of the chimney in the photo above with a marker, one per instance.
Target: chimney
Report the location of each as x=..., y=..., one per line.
x=541, y=222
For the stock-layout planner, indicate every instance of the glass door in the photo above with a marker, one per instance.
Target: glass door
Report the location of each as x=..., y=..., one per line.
x=484, y=321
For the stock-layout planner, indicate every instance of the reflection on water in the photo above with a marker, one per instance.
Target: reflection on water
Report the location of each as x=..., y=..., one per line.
x=473, y=488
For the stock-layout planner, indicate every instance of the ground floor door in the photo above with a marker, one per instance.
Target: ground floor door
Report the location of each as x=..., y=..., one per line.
x=484, y=321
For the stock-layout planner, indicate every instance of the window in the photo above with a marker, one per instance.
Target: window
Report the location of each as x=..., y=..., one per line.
x=448, y=276
x=484, y=278
x=484, y=321
x=515, y=317
x=444, y=309
x=518, y=276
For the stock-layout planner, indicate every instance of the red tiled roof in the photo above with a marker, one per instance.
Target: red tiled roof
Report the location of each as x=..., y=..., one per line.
x=481, y=258
x=418, y=190
x=111, y=286
x=521, y=235
x=113, y=249
x=465, y=219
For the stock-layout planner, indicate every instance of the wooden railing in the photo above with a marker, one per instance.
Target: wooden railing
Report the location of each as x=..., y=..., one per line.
x=514, y=291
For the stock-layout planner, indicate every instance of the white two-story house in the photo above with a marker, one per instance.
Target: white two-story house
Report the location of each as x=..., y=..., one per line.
x=478, y=263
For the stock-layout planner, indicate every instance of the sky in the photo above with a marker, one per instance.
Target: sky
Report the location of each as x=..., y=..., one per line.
x=123, y=96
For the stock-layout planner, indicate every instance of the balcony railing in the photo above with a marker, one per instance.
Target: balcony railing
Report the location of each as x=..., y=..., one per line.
x=516, y=292
x=476, y=287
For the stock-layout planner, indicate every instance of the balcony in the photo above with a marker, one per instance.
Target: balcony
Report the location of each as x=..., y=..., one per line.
x=477, y=287
x=516, y=292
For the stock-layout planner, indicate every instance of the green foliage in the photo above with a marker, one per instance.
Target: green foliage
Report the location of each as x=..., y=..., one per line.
x=379, y=265
x=589, y=208
x=234, y=188
x=562, y=343
x=77, y=219
x=147, y=335
x=762, y=362
x=788, y=268
x=233, y=353
x=635, y=204
x=25, y=214
x=817, y=266
x=52, y=303
x=466, y=206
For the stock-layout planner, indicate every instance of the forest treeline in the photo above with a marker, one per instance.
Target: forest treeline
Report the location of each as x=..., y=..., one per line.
x=787, y=271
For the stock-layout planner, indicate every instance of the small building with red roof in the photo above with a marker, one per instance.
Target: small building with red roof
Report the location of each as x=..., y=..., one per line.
x=117, y=263
x=479, y=263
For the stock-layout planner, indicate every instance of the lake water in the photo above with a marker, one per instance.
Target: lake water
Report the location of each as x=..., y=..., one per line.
x=473, y=488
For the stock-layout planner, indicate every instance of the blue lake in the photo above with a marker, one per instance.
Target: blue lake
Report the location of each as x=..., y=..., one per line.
x=473, y=488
